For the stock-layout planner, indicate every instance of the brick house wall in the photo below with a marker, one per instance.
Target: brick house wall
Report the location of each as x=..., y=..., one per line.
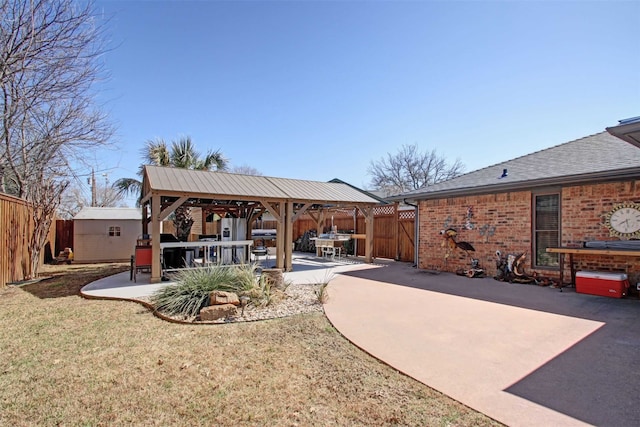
x=503, y=221
x=495, y=222
x=583, y=210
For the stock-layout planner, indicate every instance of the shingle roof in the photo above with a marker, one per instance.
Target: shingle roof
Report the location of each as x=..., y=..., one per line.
x=599, y=156
x=230, y=186
x=109, y=213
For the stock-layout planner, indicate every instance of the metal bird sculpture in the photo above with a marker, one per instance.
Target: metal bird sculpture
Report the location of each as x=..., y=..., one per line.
x=450, y=236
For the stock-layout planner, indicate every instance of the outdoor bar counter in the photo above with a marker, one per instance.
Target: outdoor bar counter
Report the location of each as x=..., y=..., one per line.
x=585, y=251
x=207, y=245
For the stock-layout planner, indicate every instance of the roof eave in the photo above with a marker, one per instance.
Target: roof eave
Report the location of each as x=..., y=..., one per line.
x=399, y=198
x=629, y=132
x=365, y=192
x=620, y=175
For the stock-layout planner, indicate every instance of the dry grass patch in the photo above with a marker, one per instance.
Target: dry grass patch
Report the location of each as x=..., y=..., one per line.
x=66, y=280
x=71, y=361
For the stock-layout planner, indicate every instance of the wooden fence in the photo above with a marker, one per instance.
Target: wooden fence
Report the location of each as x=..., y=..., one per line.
x=393, y=230
x=16, y=226
x=64, y=235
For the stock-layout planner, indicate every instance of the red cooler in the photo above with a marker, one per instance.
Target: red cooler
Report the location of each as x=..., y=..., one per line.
x=613, y=285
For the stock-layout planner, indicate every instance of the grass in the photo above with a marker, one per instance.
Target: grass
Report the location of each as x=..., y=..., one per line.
x=67, y=280
x=321, y=293
x=70, y=361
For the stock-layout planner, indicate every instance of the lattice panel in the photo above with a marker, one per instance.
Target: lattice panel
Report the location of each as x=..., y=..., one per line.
x=407, y=214
x=384, y=210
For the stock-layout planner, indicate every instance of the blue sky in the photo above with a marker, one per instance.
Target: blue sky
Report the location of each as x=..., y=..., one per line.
x=318, y=89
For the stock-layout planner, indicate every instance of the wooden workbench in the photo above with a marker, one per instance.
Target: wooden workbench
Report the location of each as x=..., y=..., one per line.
x=585, y=251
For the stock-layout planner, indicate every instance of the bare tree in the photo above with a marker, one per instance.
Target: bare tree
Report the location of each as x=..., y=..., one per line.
x=410, y=169
x=76, y=197
x=49, y=63
x=246, y=170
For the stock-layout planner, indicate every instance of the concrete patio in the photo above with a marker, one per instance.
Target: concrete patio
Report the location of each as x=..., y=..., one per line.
x=522, y=354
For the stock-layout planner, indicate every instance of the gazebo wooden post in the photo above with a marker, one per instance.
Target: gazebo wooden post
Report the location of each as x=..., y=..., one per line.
x=367, y=211
x=156, y=268
x=252, y=217
x=145, y=220
x=278, y=212
x=319, y=221
x=288, y=236
x=320, y=227
x=280, y=235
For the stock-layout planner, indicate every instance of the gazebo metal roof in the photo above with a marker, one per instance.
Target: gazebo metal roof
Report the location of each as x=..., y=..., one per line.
x=226, y=186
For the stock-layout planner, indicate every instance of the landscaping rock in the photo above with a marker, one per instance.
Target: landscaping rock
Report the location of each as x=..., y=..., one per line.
x=275, y=277
x=215, y=312
x=222, y=297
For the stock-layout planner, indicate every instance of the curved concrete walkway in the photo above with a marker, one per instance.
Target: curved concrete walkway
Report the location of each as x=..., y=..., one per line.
x=469, y=349
x=307, y=269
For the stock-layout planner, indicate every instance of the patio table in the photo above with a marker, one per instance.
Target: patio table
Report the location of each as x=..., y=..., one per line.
x=329, y=246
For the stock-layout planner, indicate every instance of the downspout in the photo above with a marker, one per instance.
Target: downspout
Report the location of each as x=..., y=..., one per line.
x=416, y=231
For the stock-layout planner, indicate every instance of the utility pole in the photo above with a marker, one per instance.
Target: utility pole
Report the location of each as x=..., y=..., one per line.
x=93, y=188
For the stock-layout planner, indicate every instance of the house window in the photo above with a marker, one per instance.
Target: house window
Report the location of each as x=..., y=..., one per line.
x=114, y=231
x=546, y=231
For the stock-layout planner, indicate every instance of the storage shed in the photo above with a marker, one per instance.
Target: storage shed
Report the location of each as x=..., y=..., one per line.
x=105, y=234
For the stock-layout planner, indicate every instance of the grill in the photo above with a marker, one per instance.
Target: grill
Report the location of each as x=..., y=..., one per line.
x=260, y=250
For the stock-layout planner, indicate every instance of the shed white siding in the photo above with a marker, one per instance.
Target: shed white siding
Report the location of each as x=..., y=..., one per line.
x=91, y=234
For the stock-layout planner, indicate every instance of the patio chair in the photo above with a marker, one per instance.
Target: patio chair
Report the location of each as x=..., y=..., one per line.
x=140, y=261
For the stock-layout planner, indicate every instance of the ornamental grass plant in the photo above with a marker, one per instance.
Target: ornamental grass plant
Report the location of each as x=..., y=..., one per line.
x=265, y=293
x=191, y=292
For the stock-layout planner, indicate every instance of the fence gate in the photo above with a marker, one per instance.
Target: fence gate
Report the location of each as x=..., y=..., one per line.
x=406, y=235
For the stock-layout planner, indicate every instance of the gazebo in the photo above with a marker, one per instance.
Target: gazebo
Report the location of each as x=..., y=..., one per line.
x=164, y=189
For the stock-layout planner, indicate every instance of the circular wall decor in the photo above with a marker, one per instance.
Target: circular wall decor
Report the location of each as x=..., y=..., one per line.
x=623, y=220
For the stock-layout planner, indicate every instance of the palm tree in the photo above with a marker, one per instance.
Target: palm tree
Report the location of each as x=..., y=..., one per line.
x=181, y=154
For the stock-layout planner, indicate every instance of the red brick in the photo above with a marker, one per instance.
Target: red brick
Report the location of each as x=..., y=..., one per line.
x=582, y=208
